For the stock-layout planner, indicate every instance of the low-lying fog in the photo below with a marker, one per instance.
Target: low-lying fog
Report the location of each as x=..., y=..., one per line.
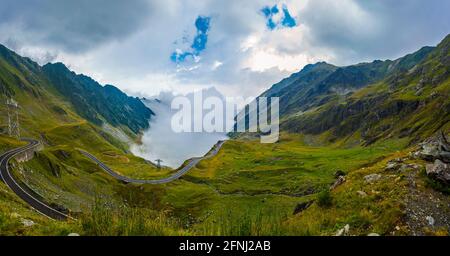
x=160, y=142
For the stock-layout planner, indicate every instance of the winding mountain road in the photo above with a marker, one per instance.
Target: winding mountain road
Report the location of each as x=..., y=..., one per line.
x=52, y=213
x=9, y=180
x=192, y=162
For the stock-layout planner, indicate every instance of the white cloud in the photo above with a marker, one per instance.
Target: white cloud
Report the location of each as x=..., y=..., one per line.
x=267, y=50
x=242, y=56
x=216, y=65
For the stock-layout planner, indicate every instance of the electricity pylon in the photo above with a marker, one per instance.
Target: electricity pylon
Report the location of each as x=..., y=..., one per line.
x=158, y=163
x=13, y=118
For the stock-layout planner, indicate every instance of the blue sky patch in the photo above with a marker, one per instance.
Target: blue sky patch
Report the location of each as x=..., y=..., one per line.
x=285, y=21
x=202, y=24
x=180, y=56
x=288, y=20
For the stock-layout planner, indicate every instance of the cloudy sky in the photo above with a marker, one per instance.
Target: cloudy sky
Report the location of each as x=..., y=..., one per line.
x=240, y=47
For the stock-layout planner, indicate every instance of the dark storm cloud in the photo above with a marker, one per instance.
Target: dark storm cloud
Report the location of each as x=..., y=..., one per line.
x=357, y=30
x=129, y=43
x=73, y=26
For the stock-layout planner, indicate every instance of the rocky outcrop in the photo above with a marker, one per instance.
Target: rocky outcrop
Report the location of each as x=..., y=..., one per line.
x=393, y=165
x=435, y=148
x=439, y=171
x=361, y=193
x=339, y=181
x=343, y=231
x=437, y=151
x=371, y=178
x=398, y=165
x=27, y=223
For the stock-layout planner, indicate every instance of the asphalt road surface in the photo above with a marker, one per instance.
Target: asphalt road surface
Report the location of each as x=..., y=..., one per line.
x=52, y=213
x=6, y=176
x=192, y=162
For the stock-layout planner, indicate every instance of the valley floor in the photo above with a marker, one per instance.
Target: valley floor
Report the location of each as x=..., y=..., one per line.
x=248, y=188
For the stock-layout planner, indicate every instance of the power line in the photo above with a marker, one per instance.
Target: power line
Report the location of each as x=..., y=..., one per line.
x=13, y=118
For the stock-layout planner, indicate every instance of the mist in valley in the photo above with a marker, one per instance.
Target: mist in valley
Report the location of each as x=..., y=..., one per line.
x=161, y=142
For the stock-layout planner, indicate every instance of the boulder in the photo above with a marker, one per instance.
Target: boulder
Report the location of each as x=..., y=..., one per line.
x=392, y=166
x=73, y=234
x=439, y=171
x=373, y=234
x=340, y=180
x=371, y=178
x=444, y=156
x=428, y=151
x=346, y=229
x=406, y=167
x=27, y=223
x=430, y=220
x=443, y=142
x=361, y=193
x=435, y=148
x=343, y=231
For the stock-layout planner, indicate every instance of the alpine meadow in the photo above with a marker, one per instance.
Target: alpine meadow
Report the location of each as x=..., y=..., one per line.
x=362, y=146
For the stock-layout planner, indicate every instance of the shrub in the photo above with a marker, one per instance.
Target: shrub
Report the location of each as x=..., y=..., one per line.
x=324, y=199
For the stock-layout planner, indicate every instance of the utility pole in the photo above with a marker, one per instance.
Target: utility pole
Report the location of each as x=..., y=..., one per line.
x=158, y=163
x=13, y=118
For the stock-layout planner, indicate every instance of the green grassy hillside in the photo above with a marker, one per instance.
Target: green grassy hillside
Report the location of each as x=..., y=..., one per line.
x=98, y=103
x=361, y=120
x=405, y=98
x=59, y=174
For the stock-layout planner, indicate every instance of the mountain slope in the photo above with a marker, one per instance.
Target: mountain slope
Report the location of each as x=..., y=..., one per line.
x=58, y=173
x=369, y=101
x=54, y=106
x=88, y=98
x=249, y=188
x=97, y=103
x=317, y=83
